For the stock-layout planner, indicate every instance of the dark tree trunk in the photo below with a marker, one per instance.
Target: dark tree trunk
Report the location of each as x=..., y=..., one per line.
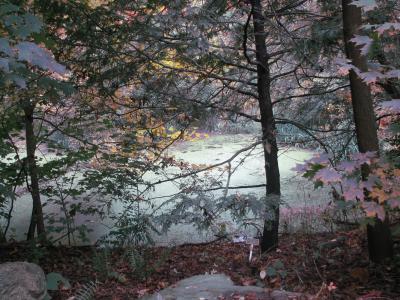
x=270, y=233
x=37, y=220
x=380, y=244
x=32, y=225
x=2, y=238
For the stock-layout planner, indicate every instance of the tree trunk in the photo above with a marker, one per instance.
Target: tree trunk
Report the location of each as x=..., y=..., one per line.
x=271, y=224
x=2, y=238
x=380, y=244
x=37, y=219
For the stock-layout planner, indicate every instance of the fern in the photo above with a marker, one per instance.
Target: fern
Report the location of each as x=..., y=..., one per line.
x=133, y=230
x=143, y=265
x=87, y=291
x=163, y=258
x=137, y=263
x=101, y=263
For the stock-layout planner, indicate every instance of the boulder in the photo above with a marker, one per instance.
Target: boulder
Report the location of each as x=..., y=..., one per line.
x=22, y=281
x=218, y=286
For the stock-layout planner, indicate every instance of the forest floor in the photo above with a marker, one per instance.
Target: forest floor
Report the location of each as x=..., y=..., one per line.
x=327, y=266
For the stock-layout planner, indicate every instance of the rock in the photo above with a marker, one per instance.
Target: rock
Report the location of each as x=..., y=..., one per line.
x=212, y=287
x=22, y=281
x=338, y=242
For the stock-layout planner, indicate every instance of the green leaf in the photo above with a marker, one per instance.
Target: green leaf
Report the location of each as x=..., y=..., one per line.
x=39, y=57
x=5, y=47
x=318, y=184
x=18, y=80
x=118, y=276
x=278, y=265
x=283, y=273
x=13, y=20
x=8, y=8
x=54, y=280
x=271, y=272
x=33, y=23
x=58, y=86
x=367, y=221
x=314, y=169
x=41, y=37
x=29, y=24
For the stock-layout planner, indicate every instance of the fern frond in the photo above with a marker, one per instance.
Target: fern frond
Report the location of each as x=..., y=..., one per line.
x=101, y=263
x=137, y=262
x=87, y=291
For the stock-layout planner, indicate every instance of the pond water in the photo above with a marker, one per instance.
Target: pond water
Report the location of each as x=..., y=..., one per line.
x=297, y=193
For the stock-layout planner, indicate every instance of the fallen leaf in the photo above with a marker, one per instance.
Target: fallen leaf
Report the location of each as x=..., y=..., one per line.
x=248, y=281
x=360, y=274
x=142, y=292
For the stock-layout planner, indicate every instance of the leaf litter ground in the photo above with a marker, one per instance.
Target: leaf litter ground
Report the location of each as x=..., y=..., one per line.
x=325, y=266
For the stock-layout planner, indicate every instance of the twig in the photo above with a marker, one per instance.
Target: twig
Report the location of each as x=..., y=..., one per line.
x=298, y=276
x=319, y=274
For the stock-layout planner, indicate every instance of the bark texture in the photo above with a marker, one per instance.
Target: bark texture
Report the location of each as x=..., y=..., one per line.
x=270, y=233
x=380, y=244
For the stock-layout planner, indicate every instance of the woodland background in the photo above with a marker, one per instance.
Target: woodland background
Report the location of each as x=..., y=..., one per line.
x=94, y=94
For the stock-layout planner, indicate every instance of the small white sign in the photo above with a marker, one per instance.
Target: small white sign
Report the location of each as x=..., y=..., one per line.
x=253, y=241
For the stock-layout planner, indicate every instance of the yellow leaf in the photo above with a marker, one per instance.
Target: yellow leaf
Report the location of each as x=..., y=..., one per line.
x=379, y=172
x=379, y=194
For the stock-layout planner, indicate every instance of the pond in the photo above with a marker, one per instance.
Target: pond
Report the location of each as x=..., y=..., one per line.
x=297, y=192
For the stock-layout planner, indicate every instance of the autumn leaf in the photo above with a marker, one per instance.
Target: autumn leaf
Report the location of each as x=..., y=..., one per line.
x=379, y=194
x=394, y=203
x=328, y=175
x=347, y=166
x=372, y=209
x=387, y=26
x=352, y=194
x=393, y=105
x=360, y=274
x=364, y=41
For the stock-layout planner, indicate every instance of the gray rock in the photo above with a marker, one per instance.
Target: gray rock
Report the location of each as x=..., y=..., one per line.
x=333, y=243
x=22, y=281
x=212, y=287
